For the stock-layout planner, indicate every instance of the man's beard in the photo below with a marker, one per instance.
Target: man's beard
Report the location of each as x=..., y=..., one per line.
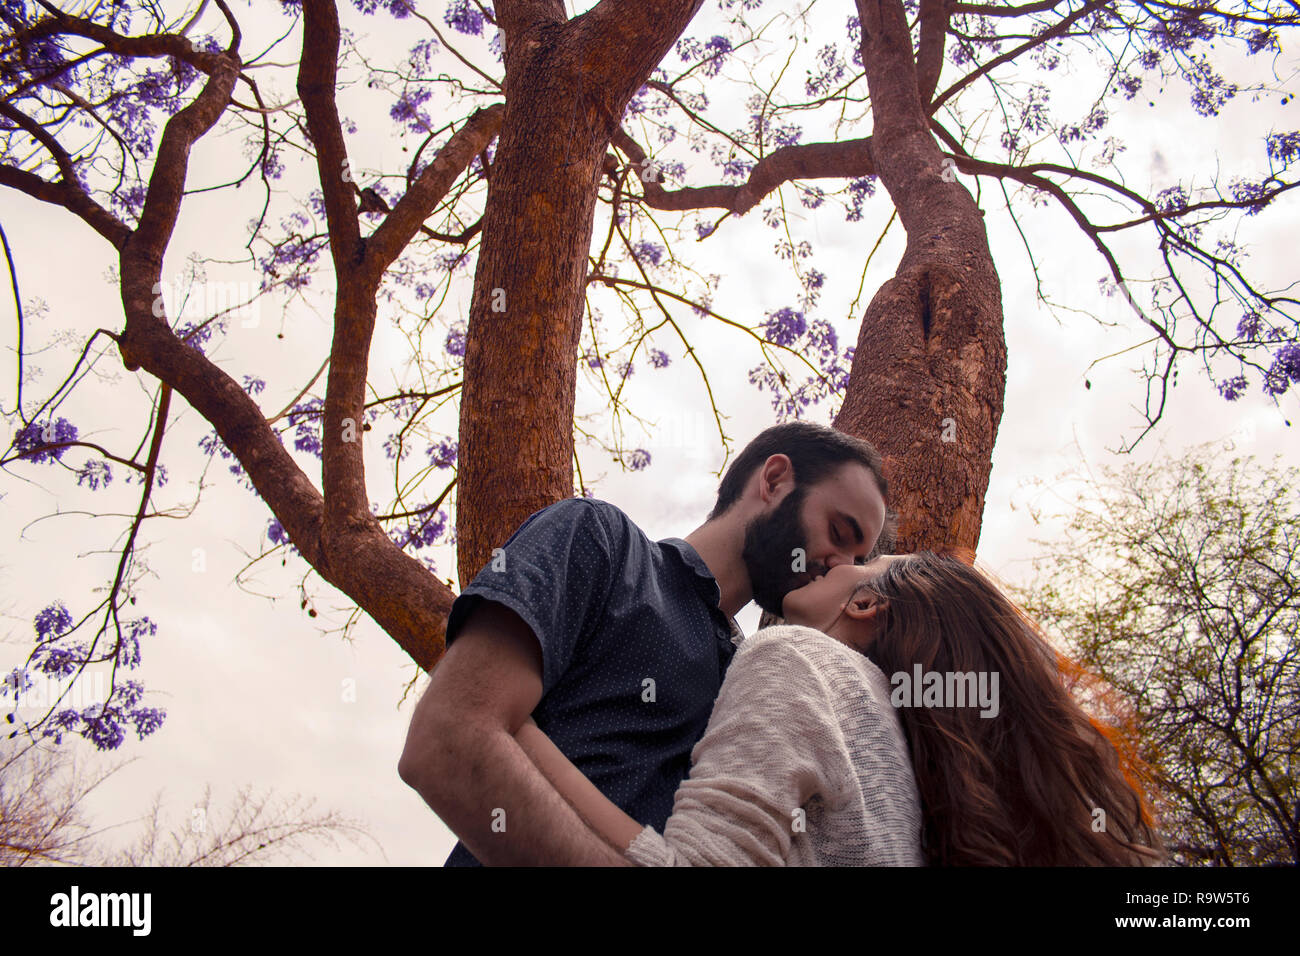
x=769, y=552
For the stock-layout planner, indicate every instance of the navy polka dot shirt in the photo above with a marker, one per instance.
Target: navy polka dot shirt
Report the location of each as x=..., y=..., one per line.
x=634, y=647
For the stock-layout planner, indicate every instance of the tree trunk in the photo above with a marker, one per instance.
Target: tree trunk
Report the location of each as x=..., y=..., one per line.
x=929, y=371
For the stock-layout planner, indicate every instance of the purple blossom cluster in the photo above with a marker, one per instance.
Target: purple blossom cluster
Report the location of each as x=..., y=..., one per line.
x=1284, y=147
x=762, y=130
x=854, y=28
x=51, y=622
x=1095, y=121
x=1249, y=326
x=408, y=110
x=1232, y=388
x=1182, y=30
x=625, y=370
x=1033, y=112
x=420, y=532
x=276, y=534
x=306, y=419
x=1253, y=193
x=213, y=445
x=817, y=339
x=395, y=445
x=95, y=473
x=455, y=344
x=784, y=326
x=592, y=358
x=811, y=197
x=1171, y=200
x=1209, y=90
x=639, y=460
x=648, y=251
x=443, y=454
x=659, y=358
x=831, y=71
x=38, y=435
x=292, y=253
x=1262, y=39
x=463, y=17
x=1285, y=370
x=1128, y=84
x=101, y=724
x=736, y=168
x=129, y=200
x=196, y=334
x=421, y=57
x=400, y=9
x=860, y=190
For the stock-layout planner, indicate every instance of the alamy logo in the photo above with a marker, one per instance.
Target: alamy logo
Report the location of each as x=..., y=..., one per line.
x=102, y=909
x=953, y=689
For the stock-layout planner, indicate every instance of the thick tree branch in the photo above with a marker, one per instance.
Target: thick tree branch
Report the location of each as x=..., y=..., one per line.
x=844, y=160
x=929, y=54
x=429, y=189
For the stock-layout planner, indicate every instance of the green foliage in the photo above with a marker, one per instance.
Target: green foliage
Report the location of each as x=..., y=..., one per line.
x=1178, y=581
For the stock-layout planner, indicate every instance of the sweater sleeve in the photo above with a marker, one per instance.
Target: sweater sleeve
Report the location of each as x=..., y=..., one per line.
x=772, y=743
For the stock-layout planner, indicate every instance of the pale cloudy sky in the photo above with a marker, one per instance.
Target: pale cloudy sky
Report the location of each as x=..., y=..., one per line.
x=254, y=689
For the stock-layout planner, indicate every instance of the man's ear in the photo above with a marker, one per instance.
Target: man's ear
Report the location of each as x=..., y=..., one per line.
x=775, y=474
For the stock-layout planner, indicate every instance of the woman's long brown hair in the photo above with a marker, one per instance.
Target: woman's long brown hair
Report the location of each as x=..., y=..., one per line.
x=1024, y=787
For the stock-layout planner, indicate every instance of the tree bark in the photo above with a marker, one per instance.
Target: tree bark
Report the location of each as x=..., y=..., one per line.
x=566, y=84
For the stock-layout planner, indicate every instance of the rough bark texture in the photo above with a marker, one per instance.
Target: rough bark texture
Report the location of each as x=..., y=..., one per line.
x=931, y=359
x=566, y=82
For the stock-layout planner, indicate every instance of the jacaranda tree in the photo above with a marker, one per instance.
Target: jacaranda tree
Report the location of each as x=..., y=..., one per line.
x=568, y=162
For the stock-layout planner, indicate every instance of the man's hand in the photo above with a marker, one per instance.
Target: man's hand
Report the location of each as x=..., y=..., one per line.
x=462, y=758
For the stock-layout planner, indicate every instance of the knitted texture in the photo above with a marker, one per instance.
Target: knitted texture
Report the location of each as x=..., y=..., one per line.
x=804, y=763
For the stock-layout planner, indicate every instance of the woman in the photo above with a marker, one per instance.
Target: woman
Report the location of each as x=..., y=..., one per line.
x=807, y=760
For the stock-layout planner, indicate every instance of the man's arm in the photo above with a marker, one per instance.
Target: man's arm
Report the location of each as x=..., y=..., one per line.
x=462, y=758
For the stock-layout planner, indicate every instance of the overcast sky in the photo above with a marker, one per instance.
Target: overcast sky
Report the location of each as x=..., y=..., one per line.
x=254, y=691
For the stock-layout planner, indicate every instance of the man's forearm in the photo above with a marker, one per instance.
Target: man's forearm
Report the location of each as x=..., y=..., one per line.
x=487, y=790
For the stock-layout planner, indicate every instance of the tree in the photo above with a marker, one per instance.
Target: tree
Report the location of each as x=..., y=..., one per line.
x=555, y=134
x=1178, y=582
x=43, y=821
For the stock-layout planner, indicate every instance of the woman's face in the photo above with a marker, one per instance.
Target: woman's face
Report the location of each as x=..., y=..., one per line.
x=818, y=603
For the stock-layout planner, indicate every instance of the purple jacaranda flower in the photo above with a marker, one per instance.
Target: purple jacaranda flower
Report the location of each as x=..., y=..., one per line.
x=443, y=454
x=52, y=622
x=784, y=326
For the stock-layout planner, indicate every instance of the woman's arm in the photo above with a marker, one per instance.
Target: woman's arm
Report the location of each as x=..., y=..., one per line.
x=772, y=743
x=601, y=814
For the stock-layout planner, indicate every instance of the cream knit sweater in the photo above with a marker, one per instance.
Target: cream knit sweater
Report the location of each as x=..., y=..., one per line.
x=803, y=763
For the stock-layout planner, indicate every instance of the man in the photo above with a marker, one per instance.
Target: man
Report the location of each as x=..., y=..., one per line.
x=617, y=646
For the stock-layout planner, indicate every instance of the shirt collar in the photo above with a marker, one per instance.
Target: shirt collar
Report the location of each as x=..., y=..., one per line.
x=706, y=583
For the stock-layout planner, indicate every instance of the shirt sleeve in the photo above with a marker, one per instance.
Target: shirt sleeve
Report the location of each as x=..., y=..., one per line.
x=772, y=743
x=555, y=573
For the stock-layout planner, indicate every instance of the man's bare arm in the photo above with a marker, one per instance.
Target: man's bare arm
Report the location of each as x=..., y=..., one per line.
x=462, y=758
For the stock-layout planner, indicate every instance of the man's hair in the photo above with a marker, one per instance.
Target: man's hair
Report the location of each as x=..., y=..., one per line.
x=814, y=450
